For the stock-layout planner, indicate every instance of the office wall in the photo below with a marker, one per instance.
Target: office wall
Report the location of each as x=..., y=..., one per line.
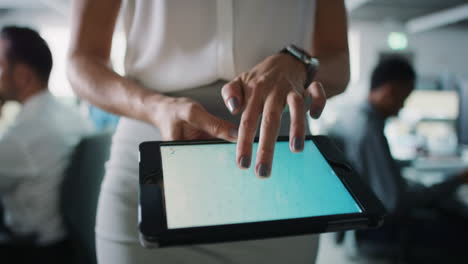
x=436, y=52
x=33, y=17
x=54, y=26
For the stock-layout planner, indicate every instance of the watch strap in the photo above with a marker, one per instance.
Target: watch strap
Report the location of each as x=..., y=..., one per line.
x=309, y=62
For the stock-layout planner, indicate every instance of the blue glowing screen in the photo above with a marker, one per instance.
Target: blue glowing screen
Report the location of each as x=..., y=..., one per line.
x=203, y=186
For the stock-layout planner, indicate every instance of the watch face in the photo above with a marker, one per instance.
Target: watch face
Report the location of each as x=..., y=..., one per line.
x=313, y=61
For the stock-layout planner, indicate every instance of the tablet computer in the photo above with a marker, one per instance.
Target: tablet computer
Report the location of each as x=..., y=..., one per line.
x=193, y=192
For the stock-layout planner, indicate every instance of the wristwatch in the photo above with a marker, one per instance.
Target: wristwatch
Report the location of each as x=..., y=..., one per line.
x=310, y=62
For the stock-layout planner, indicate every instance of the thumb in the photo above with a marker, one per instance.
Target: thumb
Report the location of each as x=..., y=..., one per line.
x=214, y=126
x=319, y=99
x=233, y=96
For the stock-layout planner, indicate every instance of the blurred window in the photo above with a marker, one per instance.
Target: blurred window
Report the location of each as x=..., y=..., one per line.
x=58, y=39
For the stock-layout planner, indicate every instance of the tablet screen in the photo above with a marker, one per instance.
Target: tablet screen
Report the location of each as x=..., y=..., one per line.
x=204, y=187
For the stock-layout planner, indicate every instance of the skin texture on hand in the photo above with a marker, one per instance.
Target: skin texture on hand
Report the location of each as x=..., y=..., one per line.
x=185, y=119
x=265, y=91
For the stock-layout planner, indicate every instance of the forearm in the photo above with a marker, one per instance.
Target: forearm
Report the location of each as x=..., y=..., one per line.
x=333, y=72
x=93, y=80
x=88, y=71
x=330, y=45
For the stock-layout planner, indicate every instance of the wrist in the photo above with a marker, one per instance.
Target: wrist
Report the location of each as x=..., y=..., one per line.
x=152, y=107
x=294, y=66
x=310, y=63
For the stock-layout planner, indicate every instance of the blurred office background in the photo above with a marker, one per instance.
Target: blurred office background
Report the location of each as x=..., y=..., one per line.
x=427, y=136
x=431, y=33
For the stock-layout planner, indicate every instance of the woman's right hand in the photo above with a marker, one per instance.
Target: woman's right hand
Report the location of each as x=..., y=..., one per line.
x=180, y=118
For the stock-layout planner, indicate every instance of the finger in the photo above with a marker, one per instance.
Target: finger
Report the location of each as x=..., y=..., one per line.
x=191, y=133
x=319, y=99
x=199, y=118
x=247, y=130
x=175, y=133
x=233, y=95
x=269, y=128
x=204, y=135
x=297, y=127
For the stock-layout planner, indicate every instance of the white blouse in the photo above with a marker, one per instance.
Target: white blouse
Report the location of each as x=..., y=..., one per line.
x=175, y=45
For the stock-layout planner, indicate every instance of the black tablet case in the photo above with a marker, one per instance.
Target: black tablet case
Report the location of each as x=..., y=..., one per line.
x=150, y=196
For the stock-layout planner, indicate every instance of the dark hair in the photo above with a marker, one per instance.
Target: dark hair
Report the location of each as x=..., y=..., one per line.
x=394, y=68
x=28, y=47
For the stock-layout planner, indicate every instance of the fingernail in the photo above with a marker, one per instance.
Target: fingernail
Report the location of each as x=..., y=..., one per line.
x=233, y=132
x=233, y=103
x=263, y=170
x=298, y=144
x=245, y=162
x=317, y=114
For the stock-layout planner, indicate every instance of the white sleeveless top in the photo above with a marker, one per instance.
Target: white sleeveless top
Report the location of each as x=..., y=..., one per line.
x=175, y=45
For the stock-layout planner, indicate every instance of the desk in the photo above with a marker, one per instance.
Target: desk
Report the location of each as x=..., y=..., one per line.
x=432, y=171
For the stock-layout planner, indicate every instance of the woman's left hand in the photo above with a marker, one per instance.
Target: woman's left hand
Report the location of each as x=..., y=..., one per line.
x=265, y=90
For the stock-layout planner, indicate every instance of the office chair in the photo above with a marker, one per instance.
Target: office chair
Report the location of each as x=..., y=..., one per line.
x=80, y=192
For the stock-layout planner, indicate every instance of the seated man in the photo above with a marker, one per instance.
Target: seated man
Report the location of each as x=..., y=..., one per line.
x=34, y=151
x=361, y=131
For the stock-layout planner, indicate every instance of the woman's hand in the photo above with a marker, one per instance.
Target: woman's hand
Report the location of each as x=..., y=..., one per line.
x=185, y=119
x=265, y=90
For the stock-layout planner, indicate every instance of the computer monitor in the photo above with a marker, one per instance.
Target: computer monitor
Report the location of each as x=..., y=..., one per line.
x=462, y=123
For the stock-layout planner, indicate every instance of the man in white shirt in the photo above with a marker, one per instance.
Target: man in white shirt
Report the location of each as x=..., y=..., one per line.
x=35, y=151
